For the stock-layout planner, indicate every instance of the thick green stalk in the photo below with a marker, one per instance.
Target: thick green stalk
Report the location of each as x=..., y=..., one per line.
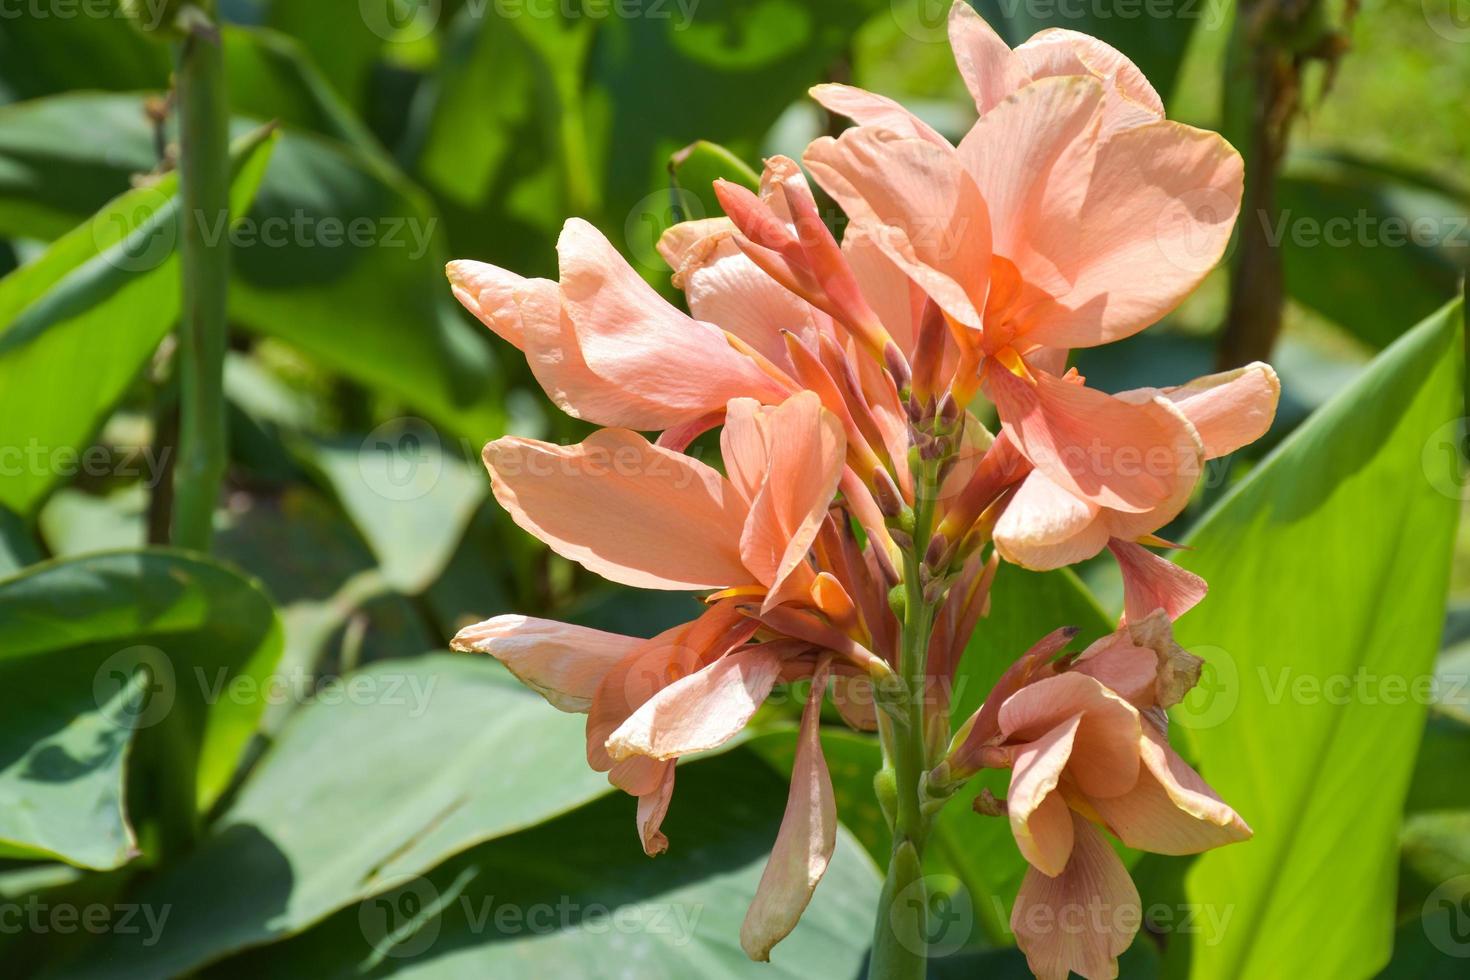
x=899, y=944
x=204, y=181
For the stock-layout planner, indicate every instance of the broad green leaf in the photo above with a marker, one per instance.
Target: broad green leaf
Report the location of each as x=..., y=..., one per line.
x=69, y=46
x=1328, y=569
x=340, y=255
x=387, y=774
x=696, y=167
x=78, y=323
x=410, y=496
x=577, y=897
x=100, y=652
x=343, y=44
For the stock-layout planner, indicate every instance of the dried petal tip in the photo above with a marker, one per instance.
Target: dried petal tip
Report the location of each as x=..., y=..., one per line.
x=988, y=805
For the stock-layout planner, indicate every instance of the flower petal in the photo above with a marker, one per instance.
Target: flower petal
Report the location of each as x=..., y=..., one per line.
x=1130, y=100
x=805, y=452
x=1104, y=759
x=630, y=337
x=915, y=202
x=1038, y=814
x=561, y=662
x=701, y=711
x=1126, y=272
x=1152, y=582
x=1083, y=919
x=623, y=508
x=1230, y=409
x=1171, y=810
x=1046, y=527
x=652, y=808
x=804, y=844
x=867, y=109
x=489, y=292
x=985, y=61
x=1105, y=450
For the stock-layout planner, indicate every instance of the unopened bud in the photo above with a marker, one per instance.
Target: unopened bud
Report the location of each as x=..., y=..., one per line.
x=898, y=367
x=886, y=494
x=936, y=555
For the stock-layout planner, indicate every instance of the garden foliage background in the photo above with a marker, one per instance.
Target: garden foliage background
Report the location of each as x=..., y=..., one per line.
x=263, y=762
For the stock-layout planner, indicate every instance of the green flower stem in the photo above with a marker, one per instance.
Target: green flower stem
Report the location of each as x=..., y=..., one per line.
x=204, y=179
x=899, y=944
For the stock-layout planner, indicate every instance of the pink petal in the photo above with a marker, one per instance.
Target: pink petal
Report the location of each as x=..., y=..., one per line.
x=1046, y=527
x=915, y=202
x=1152, y=582
x=630, y=337
x=1122, y=667
x=887, y=290
x=867, y=109
x=1231, y=409
x=805, y=452
x=701, y=711
x=1104, y=760
x=651, y=667
x=1083, y=919
x=1126, y=271
x=804, y=844
x=1030, y=157
x=1131, y=100
x=1038, y=814
x=489, y=292
x=723, y=287
x=561, y=662
x=623, y=508
x=854, y=699
x=990, y=71
x=1098, y=447
x=1171, y=810
x=652, y=808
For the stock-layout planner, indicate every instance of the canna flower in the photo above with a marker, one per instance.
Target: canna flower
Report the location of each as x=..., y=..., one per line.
x=1086, y=743
x=646, y=516
x=1044, y=526
x=1072, y=214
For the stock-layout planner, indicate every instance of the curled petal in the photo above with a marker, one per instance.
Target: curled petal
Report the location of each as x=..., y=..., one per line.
x=489, y=292
x=1046, y=527
x=701, y=711
x=1104, y=759
x=1131, y=100
x=1152, y=582
x=1038, y=814
x=1230, y=409
x=1081, y=920
x=561, y=662
x=805, y=842
x=652, y=808
x=1100, y=448
x=1171, y=810
x=868, y=109
x=631, y=338
x=990, y=71
x=624, y=508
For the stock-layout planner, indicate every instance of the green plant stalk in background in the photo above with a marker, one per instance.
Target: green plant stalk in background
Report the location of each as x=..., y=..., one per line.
x=204, y=175
x=899, y=943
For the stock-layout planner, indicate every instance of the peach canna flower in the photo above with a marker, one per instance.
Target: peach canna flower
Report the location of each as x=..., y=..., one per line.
x=1072, y=214
x=1086, y=743
x=789, y=606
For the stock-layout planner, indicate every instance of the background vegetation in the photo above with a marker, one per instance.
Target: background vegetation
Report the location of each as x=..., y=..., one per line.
x=262, y=761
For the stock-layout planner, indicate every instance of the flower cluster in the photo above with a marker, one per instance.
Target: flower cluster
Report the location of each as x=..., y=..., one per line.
x=852, y=532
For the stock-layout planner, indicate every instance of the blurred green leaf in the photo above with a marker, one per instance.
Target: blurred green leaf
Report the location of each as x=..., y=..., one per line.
x=342, y=44
x=1303, y=732
x=1370, y=248
x=577, y=897
x=100, y=650
x=697, y=166
x=78, y=323
x=51, y=53
x=388, y=773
